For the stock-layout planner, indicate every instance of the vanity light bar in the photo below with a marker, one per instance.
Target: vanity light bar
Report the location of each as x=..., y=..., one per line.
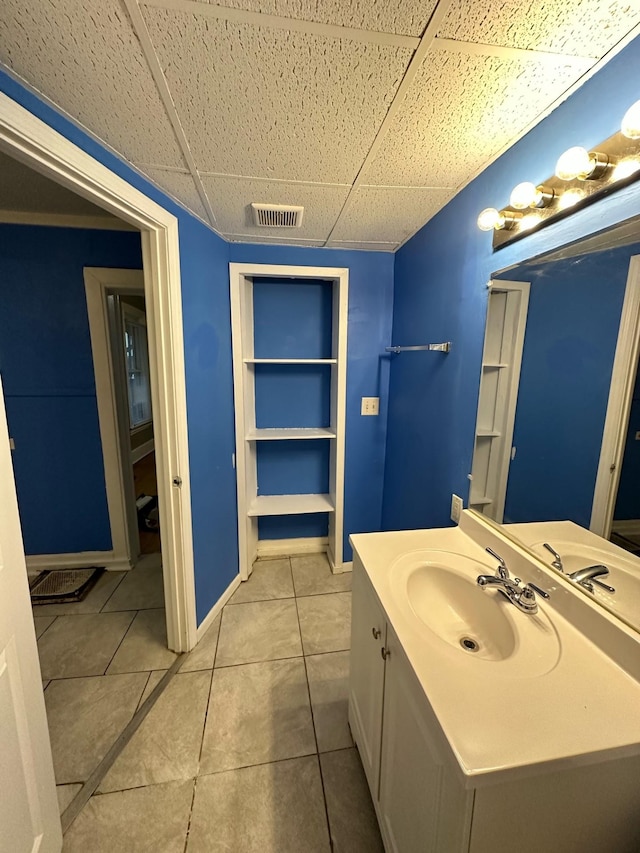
x=581, y=177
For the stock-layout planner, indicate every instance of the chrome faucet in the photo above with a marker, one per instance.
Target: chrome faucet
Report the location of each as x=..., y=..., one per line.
x=588, y=577
x=557, y=559
x=523, y=597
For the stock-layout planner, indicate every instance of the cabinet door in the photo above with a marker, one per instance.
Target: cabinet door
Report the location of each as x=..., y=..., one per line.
x=423, y=807
x=366, y=680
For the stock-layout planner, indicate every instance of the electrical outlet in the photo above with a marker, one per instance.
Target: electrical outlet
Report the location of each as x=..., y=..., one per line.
x=456, y=508
x=370, y=406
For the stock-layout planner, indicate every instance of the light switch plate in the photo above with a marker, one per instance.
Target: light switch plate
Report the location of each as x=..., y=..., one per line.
x=456, y=508
x=370, y=406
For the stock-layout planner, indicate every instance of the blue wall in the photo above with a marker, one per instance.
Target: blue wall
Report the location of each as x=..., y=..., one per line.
x=571, y=334
x=369, y=331
x=47, y=374
x=207, y=335
x=440, y=294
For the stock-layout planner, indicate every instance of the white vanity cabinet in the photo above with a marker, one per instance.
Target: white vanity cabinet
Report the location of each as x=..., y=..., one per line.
x=426, y=800
x=419, y=805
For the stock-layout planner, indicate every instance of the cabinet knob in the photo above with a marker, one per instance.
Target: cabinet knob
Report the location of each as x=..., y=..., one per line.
x=376, y=633
x=385, y=653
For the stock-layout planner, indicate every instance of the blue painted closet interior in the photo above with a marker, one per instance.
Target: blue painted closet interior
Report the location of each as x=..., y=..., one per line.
x=292, y=318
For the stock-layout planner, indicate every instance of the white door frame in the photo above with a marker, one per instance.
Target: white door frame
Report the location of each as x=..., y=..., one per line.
x=30, y=140
x=618, y=407
x=117, y=459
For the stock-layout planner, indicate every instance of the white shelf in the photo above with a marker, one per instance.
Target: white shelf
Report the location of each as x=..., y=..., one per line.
x=494, y=365
x=286, y=434
x=488, y=433
x=290, y=504
x=290, y=360
x=481, y=502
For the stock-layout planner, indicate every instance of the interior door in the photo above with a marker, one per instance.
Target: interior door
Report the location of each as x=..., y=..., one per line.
x=29, y=818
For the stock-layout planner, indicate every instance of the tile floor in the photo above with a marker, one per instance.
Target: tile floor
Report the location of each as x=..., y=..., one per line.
x=248, y=749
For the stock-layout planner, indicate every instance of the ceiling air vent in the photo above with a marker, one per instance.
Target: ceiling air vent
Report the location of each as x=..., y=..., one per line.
x=277, y=215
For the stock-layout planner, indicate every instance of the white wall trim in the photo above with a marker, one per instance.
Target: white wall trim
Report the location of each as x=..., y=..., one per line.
x=619, y=406
x=96, y=282
x=292, y=547
x=208, y=620
x=64, y=220
x=42, y=148
x=341, y=570
x=141, y=451
x=78, y=560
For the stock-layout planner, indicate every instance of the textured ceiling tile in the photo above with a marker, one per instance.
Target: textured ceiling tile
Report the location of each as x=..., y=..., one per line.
x=403, y=17
x=272, y=104
x=180, y=185
x=86, y=59
x=459, y=112
x=576, y=27
x=272, y=241
x=388, y=214
x=231, y=199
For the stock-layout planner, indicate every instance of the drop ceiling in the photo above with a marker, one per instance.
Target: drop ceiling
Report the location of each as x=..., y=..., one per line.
x=371, y=114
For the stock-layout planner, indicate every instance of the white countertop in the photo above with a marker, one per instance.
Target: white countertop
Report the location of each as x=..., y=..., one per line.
x=584, y=710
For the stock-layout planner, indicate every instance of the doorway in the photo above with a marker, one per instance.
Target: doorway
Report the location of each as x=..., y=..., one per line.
x=31, y=785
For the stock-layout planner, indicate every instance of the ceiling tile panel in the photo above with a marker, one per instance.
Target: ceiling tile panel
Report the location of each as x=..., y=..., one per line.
x=459, y=112
x=180, y=185
x=86, y=58
x=402, y=17
x=231, y=199
x=273, y=104
x=576, y=27
x=388, y=214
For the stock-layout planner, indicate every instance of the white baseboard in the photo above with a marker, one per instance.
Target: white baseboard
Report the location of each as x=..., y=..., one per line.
x=208, y=620
x=340, y=570
x=292, y=547
x=630, y=527
x=79, y=560
x=143, y=450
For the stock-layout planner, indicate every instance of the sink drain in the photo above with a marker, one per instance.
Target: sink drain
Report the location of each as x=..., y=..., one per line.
x=469, y=645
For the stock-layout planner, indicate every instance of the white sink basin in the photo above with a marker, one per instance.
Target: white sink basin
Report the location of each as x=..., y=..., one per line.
x=480, y=624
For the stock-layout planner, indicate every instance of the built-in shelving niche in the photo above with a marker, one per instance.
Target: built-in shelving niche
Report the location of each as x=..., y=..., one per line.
x=289, y=349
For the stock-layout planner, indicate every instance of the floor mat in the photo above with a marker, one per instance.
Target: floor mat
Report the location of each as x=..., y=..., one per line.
x=63, y=585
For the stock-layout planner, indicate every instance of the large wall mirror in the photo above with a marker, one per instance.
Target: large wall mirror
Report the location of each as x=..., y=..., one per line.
x=558, y=427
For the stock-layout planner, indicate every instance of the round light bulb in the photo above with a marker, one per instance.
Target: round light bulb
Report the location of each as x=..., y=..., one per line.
x=489, y=219
x=569, y=198
x=524, y=195
x=574, y=163
x=624, y=169
x=630, y=125
x=529, y=221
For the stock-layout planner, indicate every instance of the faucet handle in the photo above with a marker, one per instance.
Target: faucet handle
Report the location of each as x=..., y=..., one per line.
x=502, y=570
x=532, y=588
x=557, y=559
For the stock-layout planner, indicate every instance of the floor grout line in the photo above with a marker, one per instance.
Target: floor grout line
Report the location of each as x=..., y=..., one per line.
x=315, y=734
x=135, y=616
